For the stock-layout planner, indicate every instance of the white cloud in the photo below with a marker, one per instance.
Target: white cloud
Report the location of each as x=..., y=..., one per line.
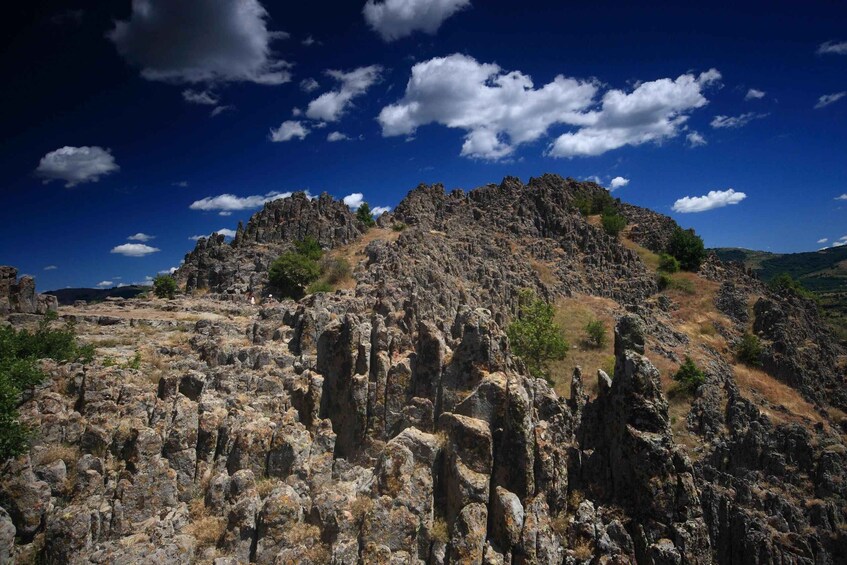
x=226, y=232
x=105, y=284
x=695, y=139
x=833, y=48
x=337, y=136
x=200, y=41
x=828, y=99
x=309, y=85
x=393, y=19
x=218, y=110
x=330, y=106
x=50, y=268
x=823, y=240
x=618, y=182
x=714, y=199
x=203, y=97
x=842, y=197
x=142, y=237
x=76, y=165
x=501, y=110
x=288, y=131
x=309, y=41
x=380, y=210
x=354, y=200
x=134, y=250
x=839, y=243
x=225, y=204
x=170, y=271
x=719, y=122
x=754, y=94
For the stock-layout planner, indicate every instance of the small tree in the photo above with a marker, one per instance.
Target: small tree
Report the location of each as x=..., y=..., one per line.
x=784, y=282
x=309, y=247
x=613, y=223
x=534, y=336
x=292, y=273
x=164, y=286
x=364, y=215
x=689, y=376
x=668, y=263
x=688, y=249
x=595, y=333
x=749, y=350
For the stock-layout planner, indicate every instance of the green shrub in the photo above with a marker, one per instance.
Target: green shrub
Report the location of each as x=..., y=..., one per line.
x=164, y=286
x=689, y=376
x=668, y=263
x=664, y=281
x=749, y=350
x=319, y=286
x=598, y=203
x=595, y=333
x=688, y=249
x=334, y=270
x=134, y=362
x=364, y=215
x=786, y=283
x=19, y=371
x=293, y=272
x=613, y=223
x=398, y=226
x=534, y=336
x=309, y=247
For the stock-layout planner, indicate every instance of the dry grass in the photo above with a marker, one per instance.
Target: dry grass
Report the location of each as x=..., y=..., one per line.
x=545, y=272
x=573, y=314
x=583, y=549
x=756, y=383
x=266, y=485
x=647, y=257
x=207, y=530
x=308, y=537
x=439, y=531
x=354, y=252
x=361, y=507
x=68, y=454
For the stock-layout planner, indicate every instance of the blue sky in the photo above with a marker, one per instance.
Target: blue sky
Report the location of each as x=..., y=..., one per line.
x=108, y=128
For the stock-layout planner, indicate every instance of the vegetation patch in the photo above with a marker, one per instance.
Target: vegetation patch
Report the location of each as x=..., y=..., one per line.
x=535, y=337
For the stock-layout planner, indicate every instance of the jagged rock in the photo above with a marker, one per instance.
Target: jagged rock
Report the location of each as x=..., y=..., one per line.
x=19, y=296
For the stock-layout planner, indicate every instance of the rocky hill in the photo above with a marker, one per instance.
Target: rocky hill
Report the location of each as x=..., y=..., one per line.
x=390, y=422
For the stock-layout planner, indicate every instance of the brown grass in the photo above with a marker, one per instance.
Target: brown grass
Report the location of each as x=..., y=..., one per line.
x=583, y=549
x=361, y=507
x=572, y=314
x=650, y=259
x=307, y=537
x=207, y=530
x=756, y=383
x=439, y=531
x=68, y=454
x=545, y=272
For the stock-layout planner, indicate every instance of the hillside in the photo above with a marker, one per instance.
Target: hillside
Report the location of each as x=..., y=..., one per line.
x=387, y=419
x=67, y=296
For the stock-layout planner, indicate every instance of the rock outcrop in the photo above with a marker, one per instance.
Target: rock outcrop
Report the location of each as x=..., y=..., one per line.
x=19, y=296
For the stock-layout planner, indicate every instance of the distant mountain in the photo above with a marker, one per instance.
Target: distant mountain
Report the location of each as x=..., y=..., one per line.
x=819, y=271
x=67, y=296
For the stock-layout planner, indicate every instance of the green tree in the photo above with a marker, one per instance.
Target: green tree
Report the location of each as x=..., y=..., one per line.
x=749, y=350
x=20, y=371
x=784, y=282
x=668, y=263
x=689, y=376
x=534, y=336
x=309, y=247
x=595, y=333
x=613, y=223
x=164, y=286
x=292, y=273
x=688, y=249
x=364, y=215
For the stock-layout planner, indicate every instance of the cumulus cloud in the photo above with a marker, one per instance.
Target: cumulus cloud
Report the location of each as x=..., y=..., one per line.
x=393, y=19
x=309, y=85
x=288, y=131
x=380, y=210
x=754, y=94
x=833, y=48
x=134, y=249
x=714, y=199
x=501, y=110
x=337, y=136
x=723, y=122
x=842, y=197
x=618, y=182
x=142, y=237
x=330, y=106
x=354, y=200
x=50, y=268
x=828, y=99
x=309, y=41
x=695, y=139
x=200, y=41
x=105, y=284
x=226, y=232
x=203, y=97
x=76, y=165
x=225, y=204
x=823, y=240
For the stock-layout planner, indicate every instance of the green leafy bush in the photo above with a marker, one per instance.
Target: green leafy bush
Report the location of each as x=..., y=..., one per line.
x=309, y=247
x=688, y=249
x=164, y=286
x=19, y=371
x=295, y=270
x=668, y=263
x=535, y=337
x=749, y=350
x=398, y=226
x=786, y=283
x=689, y=376
x=595, y=333
x=598, y=203
x=613, y=223
x=364, y=215
x=663, y=281
x=319, y=286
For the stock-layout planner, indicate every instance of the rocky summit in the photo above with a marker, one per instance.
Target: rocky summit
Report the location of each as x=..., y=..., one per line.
x=388, y=420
